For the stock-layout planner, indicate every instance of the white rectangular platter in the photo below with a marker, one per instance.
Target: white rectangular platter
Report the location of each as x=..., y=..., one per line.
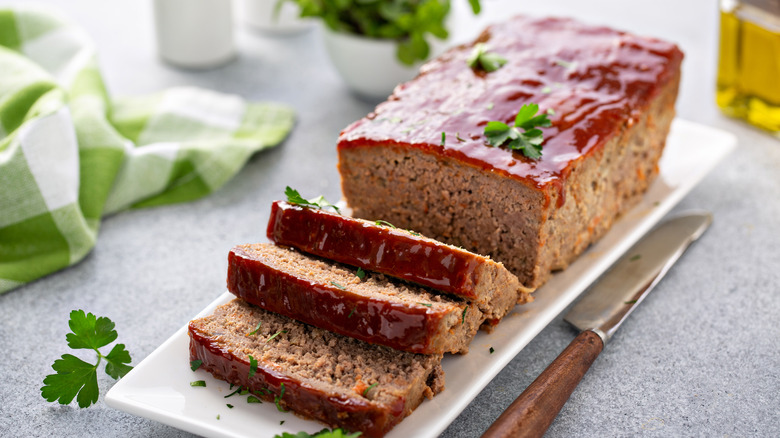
x=159, y=387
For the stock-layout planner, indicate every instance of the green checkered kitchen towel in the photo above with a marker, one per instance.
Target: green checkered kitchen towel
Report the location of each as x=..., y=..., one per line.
x=70, y=154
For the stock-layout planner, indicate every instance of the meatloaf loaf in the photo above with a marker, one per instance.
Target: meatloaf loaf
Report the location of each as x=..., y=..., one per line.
x=381, y=247
x=421, y=160
x=332, y=296
x=339, y=381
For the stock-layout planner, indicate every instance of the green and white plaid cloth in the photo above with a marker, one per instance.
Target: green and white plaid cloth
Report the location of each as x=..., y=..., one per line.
x=70, y=154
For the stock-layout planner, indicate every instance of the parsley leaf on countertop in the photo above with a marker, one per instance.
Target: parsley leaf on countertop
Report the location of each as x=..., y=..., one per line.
x=528, y=142
x=76, y=378
x=481, y=59
x=294, y=197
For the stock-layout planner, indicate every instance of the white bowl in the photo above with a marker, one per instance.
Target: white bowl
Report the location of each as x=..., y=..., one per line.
x=369, y=66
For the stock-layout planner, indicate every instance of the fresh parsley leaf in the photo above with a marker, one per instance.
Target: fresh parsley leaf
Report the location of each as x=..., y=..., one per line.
x=443, y=137
x=365, y=391
x=361, y=274
x=351, y=312
x=229, y=406
x=481, y=59
x=198, y=383
x=385, y=223
x=253, y=399
x=234, y=392
x=426, y=304
x=630, y=302
x=217, y=416
x=256, y=329
x=252, y=366
x=528, y=142
x=195, y=364
x=281, y=422
x=457, y=137
x=338, y=285
x=324, y=433
x=492, y=350
x=463, y=318
x=278, y=399
x=76, y=378
x=293, y=197
x=275, y=335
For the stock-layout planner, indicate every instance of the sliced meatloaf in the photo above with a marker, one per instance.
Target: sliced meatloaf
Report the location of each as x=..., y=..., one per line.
x=421, y=160
x=339, y=381
x=375, y=308
x=408, y=255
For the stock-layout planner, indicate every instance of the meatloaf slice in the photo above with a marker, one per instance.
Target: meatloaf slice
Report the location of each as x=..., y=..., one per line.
x=379, y=246
x=421, y=160
x=339, y=381
x=331, y=296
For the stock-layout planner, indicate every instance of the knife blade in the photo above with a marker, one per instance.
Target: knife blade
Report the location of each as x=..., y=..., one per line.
x=598, y=314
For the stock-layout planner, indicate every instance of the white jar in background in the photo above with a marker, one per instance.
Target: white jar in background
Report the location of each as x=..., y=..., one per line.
x=195, y=33
x=279, y=17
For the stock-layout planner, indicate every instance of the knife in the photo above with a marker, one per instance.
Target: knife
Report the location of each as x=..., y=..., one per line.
x=598, y=315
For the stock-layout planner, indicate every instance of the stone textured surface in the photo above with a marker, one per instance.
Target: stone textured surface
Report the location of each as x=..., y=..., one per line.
x=700, y=357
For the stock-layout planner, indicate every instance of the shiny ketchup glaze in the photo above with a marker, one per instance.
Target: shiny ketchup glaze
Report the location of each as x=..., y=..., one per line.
x=394, y=324
x=373, y=419
x=594, y=79
x=374, y=247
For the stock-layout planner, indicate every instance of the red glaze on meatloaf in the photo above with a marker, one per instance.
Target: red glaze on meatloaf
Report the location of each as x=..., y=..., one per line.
x=374, y=309
x=398, y=253
x=612, y=95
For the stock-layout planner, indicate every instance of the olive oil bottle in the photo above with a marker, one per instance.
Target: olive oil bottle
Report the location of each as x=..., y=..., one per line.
x=749, y=65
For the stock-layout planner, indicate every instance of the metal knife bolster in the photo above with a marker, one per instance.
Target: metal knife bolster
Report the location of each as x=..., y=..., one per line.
x=615, y=295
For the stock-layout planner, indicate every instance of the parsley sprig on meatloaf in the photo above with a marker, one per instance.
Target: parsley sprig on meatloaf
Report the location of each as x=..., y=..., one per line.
x=294, y=197
x=529, y=142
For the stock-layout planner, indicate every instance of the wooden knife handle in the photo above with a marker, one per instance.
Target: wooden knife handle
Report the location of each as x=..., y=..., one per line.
x=535, y=409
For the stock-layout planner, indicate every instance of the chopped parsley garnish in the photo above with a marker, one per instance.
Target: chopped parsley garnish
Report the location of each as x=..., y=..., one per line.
x=324, y=433
x=414, y=233
x=443, y=138
x=463, y=318
x=361, y=274
x=252, y=366
x=385, y=223
x=275, y=335
x=253, y=399
x=630, y=302
x=198, y=383
x=217, y=416
x=76, y=378
x=457, y=137
x=256, y=329
x=338, y=285
x=195, y=364
x=365, y=391
x=426, y=304
x=481, y=59
x=234, y=392
x=492, y=350
x=293, y=197
x=229, y=406
x=528, y=142
x=351, y=312
x=281, y=422
x=278, y=399
x=635, y=258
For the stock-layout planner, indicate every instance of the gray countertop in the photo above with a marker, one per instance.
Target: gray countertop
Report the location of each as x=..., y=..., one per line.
x=700, y=357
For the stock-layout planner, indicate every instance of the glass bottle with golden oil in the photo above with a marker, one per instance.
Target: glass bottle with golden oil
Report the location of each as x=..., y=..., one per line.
x=749, y=64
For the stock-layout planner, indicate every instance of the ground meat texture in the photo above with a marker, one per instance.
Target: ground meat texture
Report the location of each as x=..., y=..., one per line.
x=421, y=160
x=329, y=295
x=326, y=377
x=379, y=246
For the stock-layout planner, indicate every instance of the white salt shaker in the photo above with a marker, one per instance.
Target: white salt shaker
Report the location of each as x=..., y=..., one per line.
x=195, y=33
